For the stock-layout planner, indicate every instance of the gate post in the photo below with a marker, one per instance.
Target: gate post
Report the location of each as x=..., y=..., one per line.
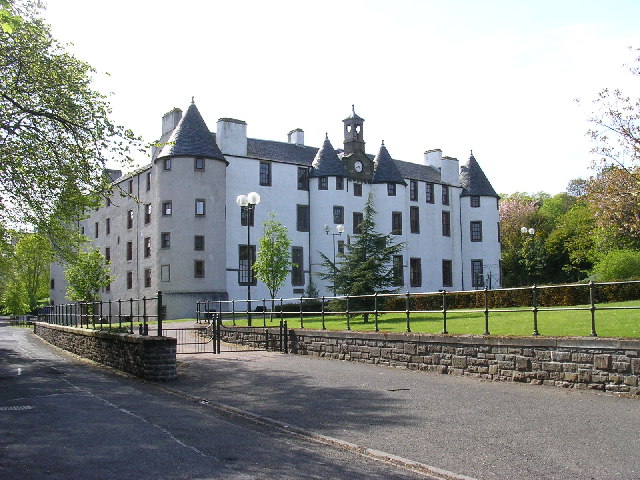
x=159, y=313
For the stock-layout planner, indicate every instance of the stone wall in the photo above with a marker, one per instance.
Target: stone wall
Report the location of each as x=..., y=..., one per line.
x=605, y=364
x=151, y=358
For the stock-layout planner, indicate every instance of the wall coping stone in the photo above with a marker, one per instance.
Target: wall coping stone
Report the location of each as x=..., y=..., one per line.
x=123, y=337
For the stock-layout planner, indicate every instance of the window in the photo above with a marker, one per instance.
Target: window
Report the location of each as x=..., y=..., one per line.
x=148, y=184
x=97, y=229
x=107, y=253
x=445, y=195
x=323, y=183
x=302, y=221
x=198, y=242
x=107, y=225
x=429, y=192
x=499, y=235
x=165, y=240
x=415, y=272
x=303, y=178
x=129, y=280
x=147, y=247
x=108, y=202
x=297, y=269
x=358, y=218
x=477, y=277
x=476, y=231
x=413, y=190
x=247, y=257
x=198, y=163
x=166, y=208
x=167, y=164
x=341, y=246
x=265, y=174
x=107, y=288
x=357, y=189
x=414, y=219
x=129, y=250
x=147, y=213
x=339, y=183
x=244, y=211
x=130, y=186
x=398, y=273
x=447, y=274
x=198, y=268
x=396, y=223
x=52, y=284
x=338, y=214
x=391, y=189
x=446, y=224
x=474, y=201
x=129, y=219
x=82, y=230
x=165, y=273
x=147, y=278
x=199, y=207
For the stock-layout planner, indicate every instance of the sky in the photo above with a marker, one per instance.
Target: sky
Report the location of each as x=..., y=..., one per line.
x=500, y=78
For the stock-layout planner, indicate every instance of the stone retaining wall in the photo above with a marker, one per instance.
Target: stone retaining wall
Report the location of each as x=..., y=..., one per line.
x=605, y=364
x=151, y=358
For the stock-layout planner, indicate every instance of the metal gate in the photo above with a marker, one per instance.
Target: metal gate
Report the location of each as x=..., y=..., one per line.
x=191, y=340
x=234, y=338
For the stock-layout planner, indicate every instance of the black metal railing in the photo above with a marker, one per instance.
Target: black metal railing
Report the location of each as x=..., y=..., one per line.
x=118, y=315
x=522, y=300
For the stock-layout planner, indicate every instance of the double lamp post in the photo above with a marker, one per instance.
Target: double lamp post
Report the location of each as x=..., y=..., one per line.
x=248, y=202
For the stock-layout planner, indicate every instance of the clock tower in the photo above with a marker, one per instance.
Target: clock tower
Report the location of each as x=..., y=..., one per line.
x=355, y=160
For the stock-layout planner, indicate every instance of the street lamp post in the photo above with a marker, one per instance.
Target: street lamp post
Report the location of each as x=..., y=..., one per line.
x=339, y=229
x=248, y=202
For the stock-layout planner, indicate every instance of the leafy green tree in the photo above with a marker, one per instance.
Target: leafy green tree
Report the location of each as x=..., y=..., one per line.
x=366, y=265
x=15, y=298
x=273, y=261
x=617, y=265
x=87, y=275
x=55, y=132
x=31, y=259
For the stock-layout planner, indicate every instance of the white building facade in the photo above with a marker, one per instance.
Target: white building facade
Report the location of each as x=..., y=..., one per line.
x=176, y=227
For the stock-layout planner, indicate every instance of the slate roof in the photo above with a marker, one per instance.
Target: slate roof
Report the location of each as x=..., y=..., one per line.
x=385, y=169
x=327, y=163
x=281, y=152
x=191, y=138
x=474, y=181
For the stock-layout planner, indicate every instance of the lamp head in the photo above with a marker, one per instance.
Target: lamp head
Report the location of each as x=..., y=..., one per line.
x=242, y=200
x=254, y=198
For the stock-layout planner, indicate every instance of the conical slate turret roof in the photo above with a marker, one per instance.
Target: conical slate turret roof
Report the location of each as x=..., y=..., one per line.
x=326, y=162
x=353, y=115
x=192, y=138
x=385, y=169
x=474, y=181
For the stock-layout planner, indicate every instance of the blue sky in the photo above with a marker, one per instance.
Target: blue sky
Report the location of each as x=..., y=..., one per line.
x=498, y=77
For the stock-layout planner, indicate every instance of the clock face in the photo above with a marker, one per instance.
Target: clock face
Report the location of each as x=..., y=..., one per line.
x=358, y=166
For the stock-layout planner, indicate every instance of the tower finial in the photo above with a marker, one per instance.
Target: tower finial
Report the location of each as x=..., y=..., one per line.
x=353, y=108
x=192, y=100
x=383, y=143
x=472, y=152
x=326, y=136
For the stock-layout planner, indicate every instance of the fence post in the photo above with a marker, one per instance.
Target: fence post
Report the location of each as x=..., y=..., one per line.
x=375, y=311
x=264, y=312
x=144, y=315
x=322, y=307
x=198, y=302
x=592, y=308
x=281, y=310
x=159, y=313
x=444, y=312
x=280, y=337
x=131, y=313
x=486, y=310
x=301, y=320
x=534, y=293
x=233, y=312
x=120, y=313
x=109, y=314
x=348, y=316
x=101, y=316
x=408, y=312
x=286, y=337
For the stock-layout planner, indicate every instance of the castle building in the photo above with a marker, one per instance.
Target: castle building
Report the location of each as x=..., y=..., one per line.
x=178, y=229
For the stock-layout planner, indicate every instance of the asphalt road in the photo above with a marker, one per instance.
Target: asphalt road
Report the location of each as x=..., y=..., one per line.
x=86, y=422
x=63, y=419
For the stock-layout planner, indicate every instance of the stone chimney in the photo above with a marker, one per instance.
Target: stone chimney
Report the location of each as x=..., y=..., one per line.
x=231, y=136
x=433, y=158
x=170, y=121
x=296, y=136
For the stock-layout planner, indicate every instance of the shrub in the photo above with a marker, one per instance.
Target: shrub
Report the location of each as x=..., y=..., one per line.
x=618, y=265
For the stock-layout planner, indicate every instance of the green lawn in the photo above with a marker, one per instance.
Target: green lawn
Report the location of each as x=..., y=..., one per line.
x=609, y=323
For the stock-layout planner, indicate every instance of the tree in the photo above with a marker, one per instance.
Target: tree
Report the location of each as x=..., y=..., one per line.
x=273, y=261
x=618, y=265
x=15, y=299
x=55, y=132
x=87, y=275
x=31, y=259
x=616, y=125
x=366, y=265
